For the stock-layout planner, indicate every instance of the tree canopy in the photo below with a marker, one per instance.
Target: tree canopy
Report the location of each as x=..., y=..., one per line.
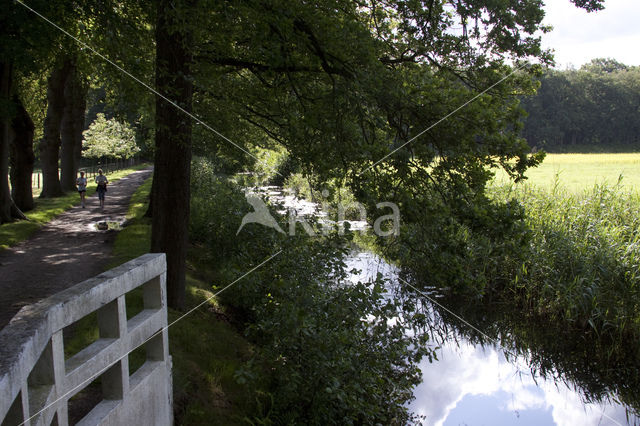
x=414, y=102
x=597, y=106
x=109, y=139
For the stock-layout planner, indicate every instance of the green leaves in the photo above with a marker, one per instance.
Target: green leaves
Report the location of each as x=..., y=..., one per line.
x=109, y=139
x=326, y=351
x=334, y=353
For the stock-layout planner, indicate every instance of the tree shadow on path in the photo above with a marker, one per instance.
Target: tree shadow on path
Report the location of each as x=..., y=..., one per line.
x=66, y=251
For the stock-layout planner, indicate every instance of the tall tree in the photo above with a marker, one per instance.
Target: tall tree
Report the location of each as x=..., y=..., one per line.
x=50, y=145
x=8, y=209
x=27, y=46
x=21, y=158
x=172, y=165
x=72, y=125
x=344, y=85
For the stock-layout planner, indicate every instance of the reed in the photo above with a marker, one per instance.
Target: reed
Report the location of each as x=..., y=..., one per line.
x=583, y=260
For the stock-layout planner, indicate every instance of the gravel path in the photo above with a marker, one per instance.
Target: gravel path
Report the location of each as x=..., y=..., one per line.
x=66, y=251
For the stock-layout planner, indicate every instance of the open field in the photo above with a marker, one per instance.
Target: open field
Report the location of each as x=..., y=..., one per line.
x=577, y=172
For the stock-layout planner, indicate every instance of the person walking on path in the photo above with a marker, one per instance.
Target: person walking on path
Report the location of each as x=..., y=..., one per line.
x=81, y=183
x=102, y=182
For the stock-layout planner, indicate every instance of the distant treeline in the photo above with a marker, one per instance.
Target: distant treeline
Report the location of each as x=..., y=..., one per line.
x=595, y=106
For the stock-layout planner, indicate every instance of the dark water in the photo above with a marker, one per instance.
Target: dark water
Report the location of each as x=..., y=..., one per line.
x=492, y=369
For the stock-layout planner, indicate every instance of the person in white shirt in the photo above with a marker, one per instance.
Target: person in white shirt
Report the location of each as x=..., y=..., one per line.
x=81, y=183
x=102, y=182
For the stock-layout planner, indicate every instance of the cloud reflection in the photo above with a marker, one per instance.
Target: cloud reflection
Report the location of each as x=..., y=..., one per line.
x=464, y=372
x=467, y=371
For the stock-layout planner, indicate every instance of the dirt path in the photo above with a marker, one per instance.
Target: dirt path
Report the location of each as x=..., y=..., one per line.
x=66, y=251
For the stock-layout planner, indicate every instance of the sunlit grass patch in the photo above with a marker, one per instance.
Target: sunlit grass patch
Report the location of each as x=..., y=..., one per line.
x=577, y=172
x=134, y=239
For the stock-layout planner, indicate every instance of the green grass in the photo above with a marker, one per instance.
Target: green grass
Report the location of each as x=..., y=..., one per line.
x=577, y=172
x=206, y=353
x=134, y=240
x=47, y=209
x=586, y=254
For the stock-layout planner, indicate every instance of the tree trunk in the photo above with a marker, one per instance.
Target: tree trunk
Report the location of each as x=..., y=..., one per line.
x=5, y=196
x=8, y=209
x=21, y=158
x=172, y=166
x=71, y=129
x=79, y=116
x=68, y=166
x=50, y=145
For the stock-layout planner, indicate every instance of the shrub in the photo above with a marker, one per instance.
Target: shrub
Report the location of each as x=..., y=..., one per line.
x=326, y=351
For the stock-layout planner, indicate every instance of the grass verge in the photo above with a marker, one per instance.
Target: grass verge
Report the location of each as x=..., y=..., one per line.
x=48, y=208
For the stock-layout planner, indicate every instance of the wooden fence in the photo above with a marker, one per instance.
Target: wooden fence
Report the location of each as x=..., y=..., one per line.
x=91, y=171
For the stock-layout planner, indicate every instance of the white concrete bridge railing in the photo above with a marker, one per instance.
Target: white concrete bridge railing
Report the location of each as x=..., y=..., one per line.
x=37, y=381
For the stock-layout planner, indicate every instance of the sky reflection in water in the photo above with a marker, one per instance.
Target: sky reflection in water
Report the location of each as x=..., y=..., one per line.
x=471, y=385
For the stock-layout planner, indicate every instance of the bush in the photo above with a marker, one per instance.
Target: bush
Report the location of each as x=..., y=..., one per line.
x=298, y=185
x=326, y=351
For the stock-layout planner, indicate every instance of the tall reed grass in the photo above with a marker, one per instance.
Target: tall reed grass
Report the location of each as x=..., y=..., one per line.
x=583, y=262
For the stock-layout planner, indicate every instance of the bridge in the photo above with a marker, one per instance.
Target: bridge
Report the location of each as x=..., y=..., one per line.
x=37, y=380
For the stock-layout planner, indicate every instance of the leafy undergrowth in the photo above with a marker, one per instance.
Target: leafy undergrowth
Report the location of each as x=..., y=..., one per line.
x=324, y=350
x=48, y=208
x=206, y=349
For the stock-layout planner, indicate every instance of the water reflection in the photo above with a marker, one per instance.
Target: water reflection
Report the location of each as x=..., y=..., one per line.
x=474, y=383
x=287, y=203
x=534, y=381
